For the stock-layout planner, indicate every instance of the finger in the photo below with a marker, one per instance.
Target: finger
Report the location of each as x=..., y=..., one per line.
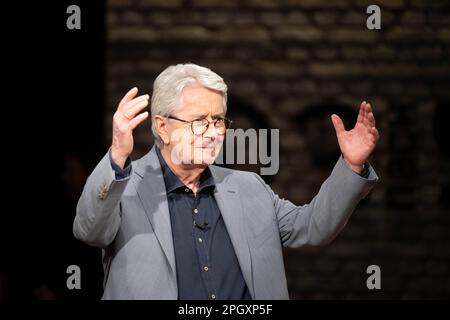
x=375, y=133
x=135, y=101
x=131, y=113
x=127, y=97
x=364, y=113
x=369, y=119
x=138, y=119
x=361, y=112
x=338, y=124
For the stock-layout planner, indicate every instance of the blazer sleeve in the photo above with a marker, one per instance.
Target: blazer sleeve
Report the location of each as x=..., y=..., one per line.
x=321, y=220
x=98, y=217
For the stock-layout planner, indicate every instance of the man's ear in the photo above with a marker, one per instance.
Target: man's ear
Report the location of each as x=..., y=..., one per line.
x=161, y=128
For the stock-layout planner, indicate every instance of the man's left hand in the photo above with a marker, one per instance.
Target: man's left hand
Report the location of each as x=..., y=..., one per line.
x=357, y=144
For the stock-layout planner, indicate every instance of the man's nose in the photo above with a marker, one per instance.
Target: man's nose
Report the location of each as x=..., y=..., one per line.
x=211, y=132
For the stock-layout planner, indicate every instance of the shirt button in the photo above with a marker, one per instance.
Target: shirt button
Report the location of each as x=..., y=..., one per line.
x=200, y=240
x=195, y=210
x=205, y=268
x=186, y=190
x=213, y=296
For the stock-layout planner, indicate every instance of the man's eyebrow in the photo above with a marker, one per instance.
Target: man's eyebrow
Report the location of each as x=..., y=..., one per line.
x=200, y=115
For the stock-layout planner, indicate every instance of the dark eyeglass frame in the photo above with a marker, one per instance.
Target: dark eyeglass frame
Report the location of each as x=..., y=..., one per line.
x=205, y=123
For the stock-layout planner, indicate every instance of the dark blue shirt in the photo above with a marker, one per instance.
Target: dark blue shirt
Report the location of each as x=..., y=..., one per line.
x=207, y=266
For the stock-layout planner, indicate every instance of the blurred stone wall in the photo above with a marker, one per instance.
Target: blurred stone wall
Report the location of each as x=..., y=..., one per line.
x=292, y=63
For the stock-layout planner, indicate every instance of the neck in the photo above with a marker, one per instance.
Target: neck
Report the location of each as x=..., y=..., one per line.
x=189, y=174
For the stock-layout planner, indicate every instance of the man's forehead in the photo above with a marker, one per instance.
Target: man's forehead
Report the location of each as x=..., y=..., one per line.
x=198, y=101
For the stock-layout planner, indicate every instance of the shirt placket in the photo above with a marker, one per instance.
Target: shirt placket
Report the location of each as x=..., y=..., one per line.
x=202, y=244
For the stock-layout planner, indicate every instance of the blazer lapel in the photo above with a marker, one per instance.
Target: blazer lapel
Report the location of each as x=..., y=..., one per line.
x=227, y=197
x=152, y=192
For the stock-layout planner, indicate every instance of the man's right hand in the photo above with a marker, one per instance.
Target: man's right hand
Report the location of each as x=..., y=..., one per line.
x=126, y=118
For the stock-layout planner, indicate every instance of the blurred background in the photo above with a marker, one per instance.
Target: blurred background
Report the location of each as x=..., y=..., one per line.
x=289, y=65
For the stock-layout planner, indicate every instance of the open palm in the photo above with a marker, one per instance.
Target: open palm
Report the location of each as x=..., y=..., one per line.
x=357, y=144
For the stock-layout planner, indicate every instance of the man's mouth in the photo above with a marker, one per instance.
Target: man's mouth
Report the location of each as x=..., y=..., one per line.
x=206, y=146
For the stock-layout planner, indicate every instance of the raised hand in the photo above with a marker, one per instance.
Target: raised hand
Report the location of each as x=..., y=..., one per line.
x=125, y=119
x=357, y=144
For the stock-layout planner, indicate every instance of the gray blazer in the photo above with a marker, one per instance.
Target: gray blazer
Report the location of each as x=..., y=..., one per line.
x=129, y=219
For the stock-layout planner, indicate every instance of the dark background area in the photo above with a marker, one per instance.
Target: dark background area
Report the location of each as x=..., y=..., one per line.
x=53, y=96
x=288, y=65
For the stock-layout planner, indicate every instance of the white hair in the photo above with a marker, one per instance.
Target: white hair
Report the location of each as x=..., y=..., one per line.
x=169, y=85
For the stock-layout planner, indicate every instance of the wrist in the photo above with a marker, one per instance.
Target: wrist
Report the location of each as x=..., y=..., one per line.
x=358, y=168
x=118, y=158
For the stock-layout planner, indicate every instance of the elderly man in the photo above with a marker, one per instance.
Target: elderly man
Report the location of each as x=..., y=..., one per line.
x=174, y=226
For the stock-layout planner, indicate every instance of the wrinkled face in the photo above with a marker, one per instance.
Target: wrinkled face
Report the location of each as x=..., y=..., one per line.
x=186, y=146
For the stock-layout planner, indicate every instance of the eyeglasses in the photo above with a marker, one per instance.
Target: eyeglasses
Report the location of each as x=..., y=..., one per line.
x=200, y=126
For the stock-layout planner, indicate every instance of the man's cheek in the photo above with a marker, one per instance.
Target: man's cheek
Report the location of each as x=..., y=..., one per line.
x=219, y=143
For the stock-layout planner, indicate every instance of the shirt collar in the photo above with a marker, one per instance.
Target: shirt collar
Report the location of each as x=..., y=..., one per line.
x=173, y=183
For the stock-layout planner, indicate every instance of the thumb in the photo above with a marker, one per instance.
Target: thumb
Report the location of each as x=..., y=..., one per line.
x=338, y=124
